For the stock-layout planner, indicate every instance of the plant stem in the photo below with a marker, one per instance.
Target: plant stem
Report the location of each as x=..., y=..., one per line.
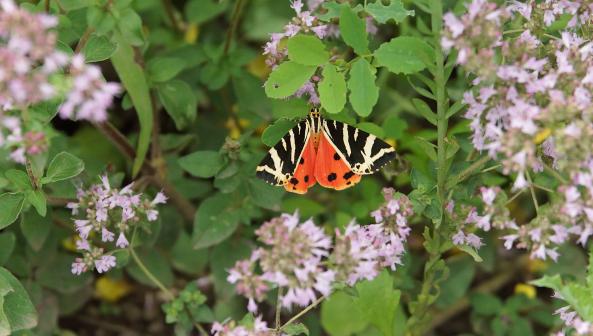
x=533, y=197
x=418, y=320
x=469, y=171
x=170, y=11
x=149, y=275
x=83, y=40
x=555, y=173
x=278, y=310
x=236, y=16
x=302, y=312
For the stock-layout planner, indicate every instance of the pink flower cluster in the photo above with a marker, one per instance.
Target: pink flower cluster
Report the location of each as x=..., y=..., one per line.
x=105, y=209
x=531, y=106
x=90, y=96
x=493, y=214
x=20, y=145
x=300, y=257
x=27, y=56
x=257, y=328
x=573, y=322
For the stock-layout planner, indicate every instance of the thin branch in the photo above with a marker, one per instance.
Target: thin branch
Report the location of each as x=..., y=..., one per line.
x=170, y=11
x=469, y=171
x=533, y=197
x=556, y=174
x=278, y=310
x=83, y=40
x=302, y=312
x=236, y=16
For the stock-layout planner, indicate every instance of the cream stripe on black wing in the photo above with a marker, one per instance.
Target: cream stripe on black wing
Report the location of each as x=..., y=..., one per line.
x=279, y=164
x=364, y=153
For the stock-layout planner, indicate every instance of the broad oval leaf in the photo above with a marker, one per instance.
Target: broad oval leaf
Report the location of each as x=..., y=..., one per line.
x=404, y=54
x=287, y=78
x=18, y=308
x=332, y=89
x=307, y=50
x=162, y=69
x=364, y=93
x=179, y=101
x=11, y=205
x=202, y=163
x=98, y=48
x=353, y=30
x=62, y=167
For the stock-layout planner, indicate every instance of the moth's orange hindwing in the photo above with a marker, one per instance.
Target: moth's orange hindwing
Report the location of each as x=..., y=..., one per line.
x=331, y=171
x=304, y=175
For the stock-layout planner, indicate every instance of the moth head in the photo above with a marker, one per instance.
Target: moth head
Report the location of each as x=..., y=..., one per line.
x=314, y=112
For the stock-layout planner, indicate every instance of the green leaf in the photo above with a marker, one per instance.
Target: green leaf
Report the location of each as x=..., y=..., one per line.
x=273, y=133
x=427, y=147
x=7, y=240
x=404, y=54
x=291, y=108
x=371, y=128
x=162, y=69
x=19, y=178
x=332, y=89
x=471, y=251
x=338, y=316
x=456, y=107
x=353, y=30
x=364, y=93
x=394, y=127
x=265, y=195
x=98, y=48
x=133, y=79
x=377, y=301
x=35, y=229
x=462, y=270
x=202, y=163
x=156, y=264
x=129, y=24
x=37, y=199
x=62, y=167
x=214, y=221
x=179, y=101
x=18, y=308
x=198, y=11
x=425, y=110
x=485, y=304
x=287, y=78
x=295, y=329
x=394, y=11
x=11, y=205
x=56, y=274
x=185, y=258
x=307, y=50
x=4, y=323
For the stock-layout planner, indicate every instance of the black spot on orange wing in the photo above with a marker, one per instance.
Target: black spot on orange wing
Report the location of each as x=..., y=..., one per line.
x=348, y=175
x=303, y=177
x=336, y=156
x=330, y=172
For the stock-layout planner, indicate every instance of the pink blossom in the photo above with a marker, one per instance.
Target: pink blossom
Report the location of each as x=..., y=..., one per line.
x=105, y=263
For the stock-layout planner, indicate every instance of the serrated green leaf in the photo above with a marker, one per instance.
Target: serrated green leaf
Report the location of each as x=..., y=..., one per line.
x=287, y=78
x=307, y=50
x=394, y=11
x=404, y=54
x=179, y=101
x=294, y=329
x=202, y=163
x=338, y=316
x=364, y=93
x=353, y=30
x=11, y=205
x=377, y=301
x=62, y=167
x=98, y=48
x=332, y=89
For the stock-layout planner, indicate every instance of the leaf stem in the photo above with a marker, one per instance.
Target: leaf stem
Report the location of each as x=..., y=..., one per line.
x=236, y=16
x=533, y=197
x=278, y=310
x=302, y=312
x=170, y=11
x=555, y=173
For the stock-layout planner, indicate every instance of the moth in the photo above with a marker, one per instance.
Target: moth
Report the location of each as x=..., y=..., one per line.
x=328, y=152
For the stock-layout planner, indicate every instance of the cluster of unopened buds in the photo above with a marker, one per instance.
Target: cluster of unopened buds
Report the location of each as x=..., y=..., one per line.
x=301, y=260
x=106, y=211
